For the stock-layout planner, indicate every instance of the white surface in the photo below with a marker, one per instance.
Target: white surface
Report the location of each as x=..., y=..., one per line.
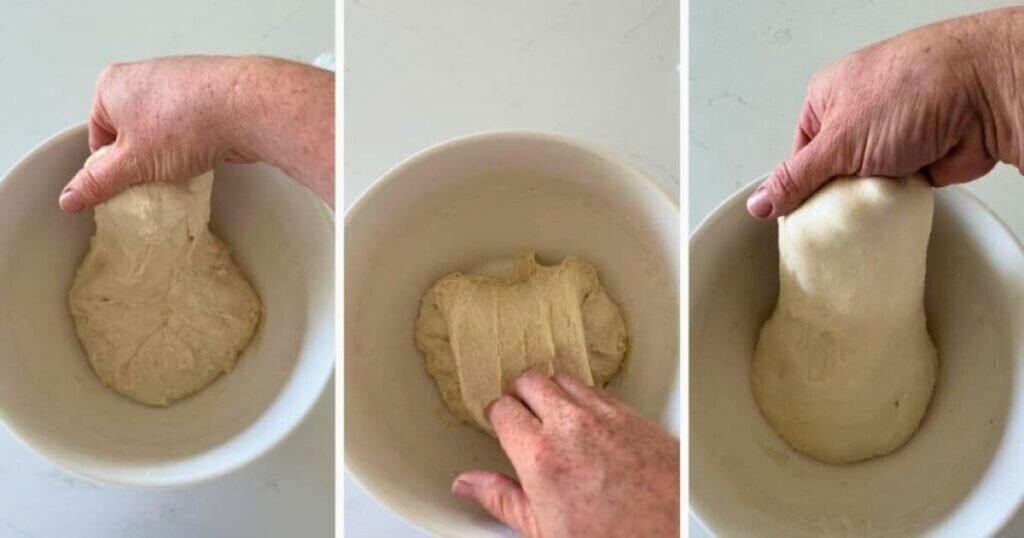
x=52, y=53
x=419, y=73
x=749, y=65
x=469, y=202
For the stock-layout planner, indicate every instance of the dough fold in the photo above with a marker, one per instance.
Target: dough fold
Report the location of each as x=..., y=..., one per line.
x=158, y=304
x=844, y=368
x=478, y=333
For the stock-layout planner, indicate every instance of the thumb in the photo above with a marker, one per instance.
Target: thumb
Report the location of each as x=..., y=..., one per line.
x=499, y=495
x=795, y=179
x=103, y=176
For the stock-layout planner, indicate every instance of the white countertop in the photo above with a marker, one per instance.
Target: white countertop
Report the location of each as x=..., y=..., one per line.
x=750, y=62
x=418, y=73
x=50, y=54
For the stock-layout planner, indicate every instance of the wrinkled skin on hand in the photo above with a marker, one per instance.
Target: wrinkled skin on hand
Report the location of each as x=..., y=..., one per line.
x=587, y=464
x=167, y=116
x=169, y=119
x=937, y=99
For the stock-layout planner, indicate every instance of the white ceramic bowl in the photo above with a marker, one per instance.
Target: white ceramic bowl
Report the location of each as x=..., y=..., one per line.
x=461, y=205
x=280, y=235
x=962, y=474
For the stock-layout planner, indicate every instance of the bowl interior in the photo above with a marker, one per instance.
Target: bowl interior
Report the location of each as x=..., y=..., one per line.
x=955, y=477
x=282, y=238
x=459, y=206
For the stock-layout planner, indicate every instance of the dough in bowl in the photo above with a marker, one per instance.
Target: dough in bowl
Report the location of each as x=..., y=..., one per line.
x=158, y=303
x=844, y=368
x=478, y=333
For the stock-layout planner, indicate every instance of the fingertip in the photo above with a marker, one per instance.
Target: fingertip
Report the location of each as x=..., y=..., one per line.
x=513, y=423
x=506, y=401
x=70, y=200
x=462, y=488
x=474, y=484
x=500, y=495
x=489, y=408
x=531, y=372
x=760, y=204
x=532, y=379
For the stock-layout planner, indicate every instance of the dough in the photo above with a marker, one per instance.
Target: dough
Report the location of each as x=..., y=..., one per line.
x=478, y=333
x=158, y=303
x=844, y=368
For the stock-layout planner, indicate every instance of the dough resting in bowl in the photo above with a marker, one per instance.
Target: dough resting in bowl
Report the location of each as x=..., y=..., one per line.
x=844, y=368
x=478, y=333
x=159, y=305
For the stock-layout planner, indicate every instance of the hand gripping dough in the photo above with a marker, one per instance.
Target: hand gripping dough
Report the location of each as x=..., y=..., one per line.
x=844, y=368
x=158, y=304
x=478, y=333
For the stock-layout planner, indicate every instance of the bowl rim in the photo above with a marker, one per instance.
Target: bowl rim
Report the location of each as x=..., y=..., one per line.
x=502, y=135
x=718, y=213
x=355, y=471
x=142, y=482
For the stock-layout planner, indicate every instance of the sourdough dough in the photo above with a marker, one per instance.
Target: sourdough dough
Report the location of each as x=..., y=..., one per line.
x=478, y=333
x=844, y=368
x=158, y=303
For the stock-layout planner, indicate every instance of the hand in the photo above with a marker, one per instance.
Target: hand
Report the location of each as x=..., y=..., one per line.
x=168, y=118
x=587, y=464
x=925, y=100
x=174, y=118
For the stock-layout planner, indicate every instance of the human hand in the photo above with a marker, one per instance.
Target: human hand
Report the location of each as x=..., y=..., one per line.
x=167, y=120
x=929, y=99
x=175, y=118
x=587, y=464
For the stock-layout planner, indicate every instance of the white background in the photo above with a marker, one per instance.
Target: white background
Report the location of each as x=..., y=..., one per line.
x=50, y=54
x=749, y=64
x=418, y=73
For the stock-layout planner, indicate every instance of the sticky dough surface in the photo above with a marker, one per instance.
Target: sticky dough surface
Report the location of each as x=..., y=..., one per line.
x=478, y=333
x=158, y=304
x=844, y=368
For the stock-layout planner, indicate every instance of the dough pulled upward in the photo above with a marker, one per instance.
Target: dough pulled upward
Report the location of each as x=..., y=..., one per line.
x=478, y=333
x=158, y=303
x=844, y=368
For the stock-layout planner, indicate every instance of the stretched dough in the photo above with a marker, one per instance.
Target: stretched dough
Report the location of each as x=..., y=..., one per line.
x=478, y=333
x=844, y=368
x=158, y=303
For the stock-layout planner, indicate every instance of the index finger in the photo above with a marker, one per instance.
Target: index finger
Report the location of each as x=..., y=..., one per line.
x=544, y=397
x=513, y=423
x=101, y=132
x=592, y=397
x=807, y=126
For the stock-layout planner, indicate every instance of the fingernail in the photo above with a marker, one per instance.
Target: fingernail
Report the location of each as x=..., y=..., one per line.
x=462, y=488
x=759, y=205
x=488, y=407
x=69, y=201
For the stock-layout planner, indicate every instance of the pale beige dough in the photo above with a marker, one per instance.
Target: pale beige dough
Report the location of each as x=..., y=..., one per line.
x=158, y=304
x=844, y=368
x=478, y=333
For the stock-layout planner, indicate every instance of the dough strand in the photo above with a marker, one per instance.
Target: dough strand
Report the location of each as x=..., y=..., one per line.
x=158, y=304
x=844, y=368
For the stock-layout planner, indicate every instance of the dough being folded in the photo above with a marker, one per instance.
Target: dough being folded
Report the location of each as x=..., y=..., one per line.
x=478, y=333
x=844, y=368
x=158, y=303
